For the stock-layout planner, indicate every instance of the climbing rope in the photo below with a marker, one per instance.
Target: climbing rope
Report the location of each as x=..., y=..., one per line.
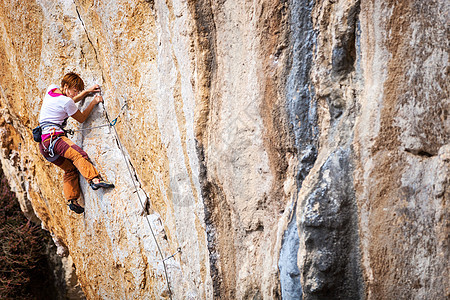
x=112, y=123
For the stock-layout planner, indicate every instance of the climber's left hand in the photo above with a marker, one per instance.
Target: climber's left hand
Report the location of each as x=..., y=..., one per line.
x=93, y=89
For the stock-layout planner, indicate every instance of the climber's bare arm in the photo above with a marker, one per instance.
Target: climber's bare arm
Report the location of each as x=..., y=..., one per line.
x=81, y=116
x=85, y=93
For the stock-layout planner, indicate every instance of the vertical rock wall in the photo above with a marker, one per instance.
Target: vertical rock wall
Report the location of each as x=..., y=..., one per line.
x=289, y=149
x=402, y=163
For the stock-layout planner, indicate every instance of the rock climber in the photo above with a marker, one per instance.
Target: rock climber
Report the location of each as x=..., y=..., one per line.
x=57, y=148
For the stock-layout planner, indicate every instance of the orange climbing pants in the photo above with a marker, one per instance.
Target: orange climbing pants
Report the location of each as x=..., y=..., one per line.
x=73, y=160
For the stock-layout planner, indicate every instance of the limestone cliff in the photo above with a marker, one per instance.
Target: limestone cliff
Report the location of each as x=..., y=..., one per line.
x=288, y=149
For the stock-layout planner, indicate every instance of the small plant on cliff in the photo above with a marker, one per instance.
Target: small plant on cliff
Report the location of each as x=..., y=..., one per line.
x=22, y=250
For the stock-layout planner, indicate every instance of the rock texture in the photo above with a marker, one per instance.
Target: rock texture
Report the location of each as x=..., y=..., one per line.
x=265, y=149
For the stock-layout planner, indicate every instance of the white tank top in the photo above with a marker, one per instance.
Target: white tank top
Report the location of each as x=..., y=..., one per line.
x=55, y=109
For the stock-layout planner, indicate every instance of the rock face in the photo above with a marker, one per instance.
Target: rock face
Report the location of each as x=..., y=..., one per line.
x=264, y=149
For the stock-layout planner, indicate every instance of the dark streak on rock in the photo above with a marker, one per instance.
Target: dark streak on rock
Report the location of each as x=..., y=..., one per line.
x=205, y=54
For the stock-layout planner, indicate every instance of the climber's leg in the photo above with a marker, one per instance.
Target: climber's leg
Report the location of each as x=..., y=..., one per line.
x=71, y=185
x=64, y=150
x=69, y=150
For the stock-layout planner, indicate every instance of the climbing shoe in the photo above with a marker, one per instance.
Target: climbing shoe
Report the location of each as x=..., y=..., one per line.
x=101, y=184
x=73, y=205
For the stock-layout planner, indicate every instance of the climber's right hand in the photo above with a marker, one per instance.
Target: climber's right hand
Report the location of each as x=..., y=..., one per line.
x=82, y=116
x=97, y=99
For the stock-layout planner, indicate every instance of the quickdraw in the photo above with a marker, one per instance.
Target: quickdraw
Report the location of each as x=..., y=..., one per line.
x=111, y=124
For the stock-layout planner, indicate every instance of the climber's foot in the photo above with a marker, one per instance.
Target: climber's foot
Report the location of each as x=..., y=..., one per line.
x=73, y=205
x=97, y=183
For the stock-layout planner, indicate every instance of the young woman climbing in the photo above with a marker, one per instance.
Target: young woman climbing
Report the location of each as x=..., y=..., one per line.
x=57, y=148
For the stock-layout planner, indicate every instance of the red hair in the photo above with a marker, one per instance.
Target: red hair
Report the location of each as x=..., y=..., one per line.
x=72, y=80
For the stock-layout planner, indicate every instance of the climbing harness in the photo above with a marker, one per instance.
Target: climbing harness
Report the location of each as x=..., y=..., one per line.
x=51, y=146
x=37, y=131
x=52, y=143
x=119, y=143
